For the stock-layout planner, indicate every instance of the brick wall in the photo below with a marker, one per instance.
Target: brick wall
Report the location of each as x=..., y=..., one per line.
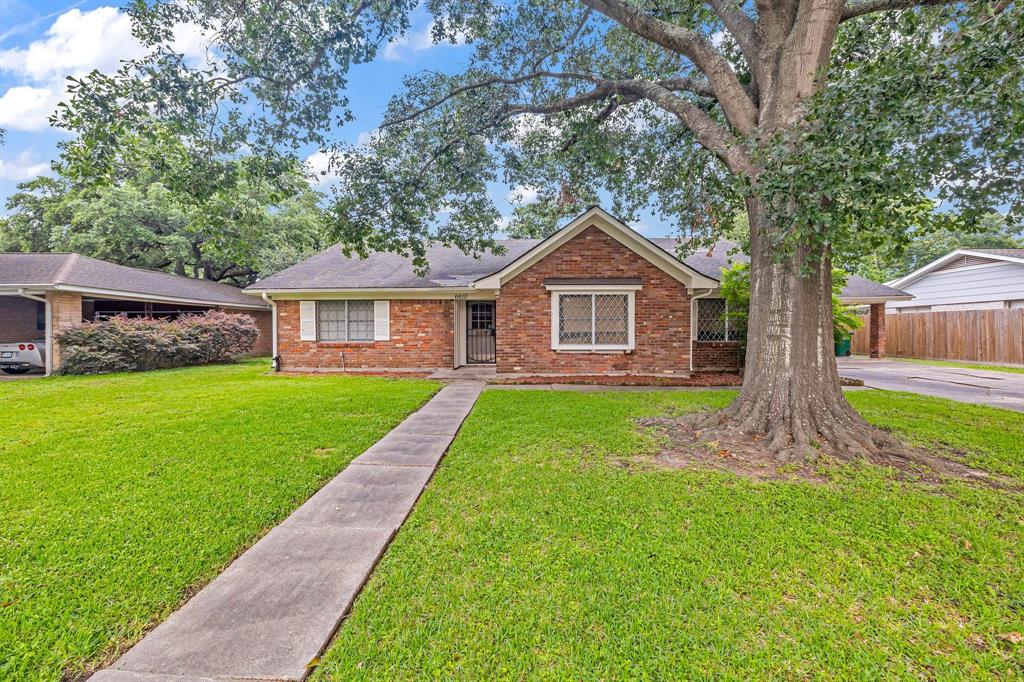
x=18, y=320
x=716, y=356
x=66, y=313
x=422, y=337
x=662, y=313
x=265, y=343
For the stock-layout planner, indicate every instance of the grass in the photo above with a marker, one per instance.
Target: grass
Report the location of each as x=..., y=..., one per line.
x=120, y=493
x=963, y=365
x=544, y=548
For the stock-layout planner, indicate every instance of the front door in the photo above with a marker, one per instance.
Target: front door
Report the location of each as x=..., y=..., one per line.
x=480, y=347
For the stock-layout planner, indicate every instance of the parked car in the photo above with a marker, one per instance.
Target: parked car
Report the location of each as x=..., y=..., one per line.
x=20, y=358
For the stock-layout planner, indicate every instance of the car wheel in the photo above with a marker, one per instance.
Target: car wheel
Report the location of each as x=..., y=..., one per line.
x=15, y=370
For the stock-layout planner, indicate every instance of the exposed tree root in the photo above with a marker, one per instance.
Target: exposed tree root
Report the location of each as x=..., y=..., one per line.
x=791, y=449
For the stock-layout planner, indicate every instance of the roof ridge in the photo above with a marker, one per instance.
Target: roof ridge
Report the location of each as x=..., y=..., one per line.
x=65, y=268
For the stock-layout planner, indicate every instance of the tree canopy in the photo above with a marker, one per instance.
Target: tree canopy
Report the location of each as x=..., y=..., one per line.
x=165, y=208
x=665, y=107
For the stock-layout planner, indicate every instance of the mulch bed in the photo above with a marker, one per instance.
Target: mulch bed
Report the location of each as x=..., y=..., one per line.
x=698, y=380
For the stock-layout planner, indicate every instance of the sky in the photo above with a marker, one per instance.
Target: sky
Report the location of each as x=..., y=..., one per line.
x=42, y=42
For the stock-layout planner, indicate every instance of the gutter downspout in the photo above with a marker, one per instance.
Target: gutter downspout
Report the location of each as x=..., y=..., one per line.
x=693, y=321
x=49, y=327
x=275, y=359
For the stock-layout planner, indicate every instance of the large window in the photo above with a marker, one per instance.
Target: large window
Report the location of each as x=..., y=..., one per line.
x=344, y=320
x=592, y=321
x=713, y=323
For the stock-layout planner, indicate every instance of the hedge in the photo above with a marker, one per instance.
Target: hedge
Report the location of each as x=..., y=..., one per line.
x=122, y=344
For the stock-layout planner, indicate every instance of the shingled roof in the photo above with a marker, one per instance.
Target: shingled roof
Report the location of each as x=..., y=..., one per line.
x=332, y=270
x=74, y=272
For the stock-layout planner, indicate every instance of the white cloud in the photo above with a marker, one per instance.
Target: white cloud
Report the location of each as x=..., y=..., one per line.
x=416, y=41
x=522, y=195
x=367, y=136
x=318, y=165
x=24, y=107
x=22, y=167
x=76, y=43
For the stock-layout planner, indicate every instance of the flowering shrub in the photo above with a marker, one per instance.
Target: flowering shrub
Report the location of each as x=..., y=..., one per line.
x=123, y=344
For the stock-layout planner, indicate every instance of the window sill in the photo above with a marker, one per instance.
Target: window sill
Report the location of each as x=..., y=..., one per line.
x=342, y=344
x=604, y=351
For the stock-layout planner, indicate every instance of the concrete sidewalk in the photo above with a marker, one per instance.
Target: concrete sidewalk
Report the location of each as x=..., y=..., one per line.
x=982, y=387
x=273, y=610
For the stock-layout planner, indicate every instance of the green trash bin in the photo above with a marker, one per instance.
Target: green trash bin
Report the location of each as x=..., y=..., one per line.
x=843, y=348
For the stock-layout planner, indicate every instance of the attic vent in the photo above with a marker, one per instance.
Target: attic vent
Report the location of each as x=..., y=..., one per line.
x=964, y=261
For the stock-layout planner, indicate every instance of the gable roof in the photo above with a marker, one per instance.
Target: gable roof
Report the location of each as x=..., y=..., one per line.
x=597, y=217
x=1007, y=255
x=333, y=271
x=74, y=272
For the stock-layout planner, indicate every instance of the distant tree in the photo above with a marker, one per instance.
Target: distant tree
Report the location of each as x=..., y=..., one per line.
x=166, y=209
x=992, y=231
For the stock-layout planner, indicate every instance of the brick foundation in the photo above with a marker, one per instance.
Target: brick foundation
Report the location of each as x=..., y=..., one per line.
x=662, y=313
x=422, y=336
x=719, y=356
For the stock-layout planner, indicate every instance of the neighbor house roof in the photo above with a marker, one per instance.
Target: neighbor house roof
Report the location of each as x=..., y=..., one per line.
x=981, y=255
x=38, y=272
x=332, y=270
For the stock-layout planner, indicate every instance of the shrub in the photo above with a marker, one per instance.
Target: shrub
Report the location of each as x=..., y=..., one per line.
x=123, y=344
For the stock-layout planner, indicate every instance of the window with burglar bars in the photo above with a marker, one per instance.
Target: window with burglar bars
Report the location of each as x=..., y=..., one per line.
x=593, y=320
x=713, y=323
x=344, y=320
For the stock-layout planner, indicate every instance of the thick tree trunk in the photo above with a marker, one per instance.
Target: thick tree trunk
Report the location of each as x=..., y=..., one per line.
x=791, y=401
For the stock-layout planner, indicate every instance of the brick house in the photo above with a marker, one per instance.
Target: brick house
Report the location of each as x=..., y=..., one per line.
x=596, y=297
x=42, y=294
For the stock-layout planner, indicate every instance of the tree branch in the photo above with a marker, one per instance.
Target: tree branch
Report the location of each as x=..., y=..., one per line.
x=696, y=86
x=740, y=25
x=738, y=108
x=857, y=8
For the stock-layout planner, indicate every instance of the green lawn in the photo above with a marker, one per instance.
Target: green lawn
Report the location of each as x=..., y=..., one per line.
x=542, y=549
x=120, y=493
x=963, y=365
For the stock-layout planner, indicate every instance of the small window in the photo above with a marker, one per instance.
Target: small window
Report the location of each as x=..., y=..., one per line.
x=713, y=323
x=344, y=320
x=593, y=321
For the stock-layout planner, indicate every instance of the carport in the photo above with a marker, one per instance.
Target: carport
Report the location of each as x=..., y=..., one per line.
x=43, y=294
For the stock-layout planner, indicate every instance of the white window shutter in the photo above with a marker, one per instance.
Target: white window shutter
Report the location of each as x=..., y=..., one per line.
x=381, y=320
x=307, y=320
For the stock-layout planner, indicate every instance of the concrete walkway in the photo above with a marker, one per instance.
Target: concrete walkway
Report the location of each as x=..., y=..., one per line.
x=982, y=387
x=273, y=610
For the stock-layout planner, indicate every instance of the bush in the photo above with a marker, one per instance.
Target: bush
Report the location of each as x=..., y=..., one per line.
x=123, y=344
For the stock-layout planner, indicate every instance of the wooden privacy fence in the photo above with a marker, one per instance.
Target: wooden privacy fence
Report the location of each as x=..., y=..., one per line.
x=979, y=335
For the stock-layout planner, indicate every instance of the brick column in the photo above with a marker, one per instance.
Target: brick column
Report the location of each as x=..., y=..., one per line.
x=65, y=313
x=876, y=331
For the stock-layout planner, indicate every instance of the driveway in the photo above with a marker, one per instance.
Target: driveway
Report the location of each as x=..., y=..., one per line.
x=983, y=387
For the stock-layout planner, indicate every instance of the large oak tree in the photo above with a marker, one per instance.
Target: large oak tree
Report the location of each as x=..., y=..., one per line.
x=830, y=122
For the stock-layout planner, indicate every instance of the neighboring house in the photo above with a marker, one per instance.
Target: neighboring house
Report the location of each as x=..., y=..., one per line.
x=596, y=297
x=42, y=294
x=966, y=279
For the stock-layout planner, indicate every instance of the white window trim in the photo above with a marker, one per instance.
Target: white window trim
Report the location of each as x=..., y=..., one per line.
x=316, y=318
x=559, y=290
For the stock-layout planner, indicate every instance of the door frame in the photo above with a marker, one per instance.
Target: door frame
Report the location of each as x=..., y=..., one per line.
x=462, y=323
x=494, y=331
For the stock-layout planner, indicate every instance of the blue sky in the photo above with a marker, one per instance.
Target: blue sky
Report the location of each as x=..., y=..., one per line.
x=44, y=41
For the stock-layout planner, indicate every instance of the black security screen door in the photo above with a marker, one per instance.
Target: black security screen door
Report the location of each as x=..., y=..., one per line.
x=480, y=347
